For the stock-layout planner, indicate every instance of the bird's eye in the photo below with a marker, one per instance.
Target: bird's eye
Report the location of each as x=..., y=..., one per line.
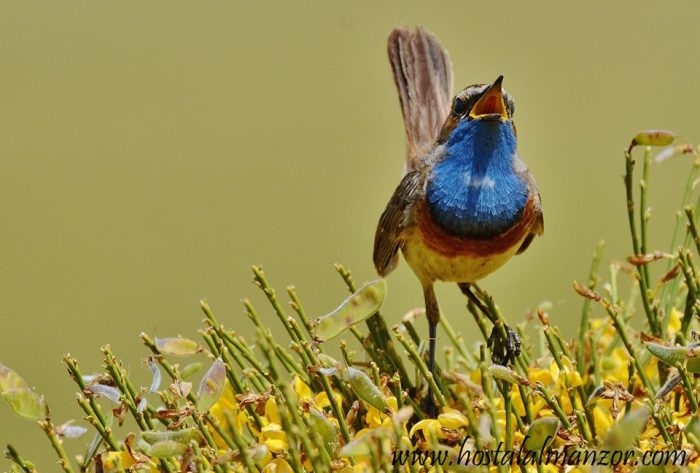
x=459, y=106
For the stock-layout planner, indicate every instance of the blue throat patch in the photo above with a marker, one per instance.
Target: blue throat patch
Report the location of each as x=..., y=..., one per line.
x=473, y=191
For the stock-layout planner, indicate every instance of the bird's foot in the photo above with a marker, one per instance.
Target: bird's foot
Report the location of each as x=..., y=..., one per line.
x=504, y=351
x=429, y=406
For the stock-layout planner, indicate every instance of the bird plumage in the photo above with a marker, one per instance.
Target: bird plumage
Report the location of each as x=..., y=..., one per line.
x=466, y=203
x=423, y=77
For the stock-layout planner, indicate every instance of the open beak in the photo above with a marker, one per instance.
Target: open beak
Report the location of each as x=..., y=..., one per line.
x=491, y=106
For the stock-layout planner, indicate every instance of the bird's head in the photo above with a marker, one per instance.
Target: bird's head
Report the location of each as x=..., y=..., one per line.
x=479, y=102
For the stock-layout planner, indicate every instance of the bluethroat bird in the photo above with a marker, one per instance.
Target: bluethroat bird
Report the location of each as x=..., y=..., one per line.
x=466, y=203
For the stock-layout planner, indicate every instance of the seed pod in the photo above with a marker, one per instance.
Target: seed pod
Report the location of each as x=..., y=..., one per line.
x=165, y=449
x=68, y=431
x=654, y=138
x=26, y=403
x=507, y=374
x=693, y=365
x=623, y=435
x=190, y=369
x=157, y=377
x=110, y=392
x=325, y=428
x=21, y=398
x=364, y=445
x=668, y=386
x=693, y=426
x=669, y=355
x=541, y=433
x=212, y=385
x=327, y=361
x=365, y=389
x=177, y=346
x=182, y=436
x=355, y=309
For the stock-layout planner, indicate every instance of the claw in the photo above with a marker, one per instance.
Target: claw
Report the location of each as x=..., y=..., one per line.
x=504, y=351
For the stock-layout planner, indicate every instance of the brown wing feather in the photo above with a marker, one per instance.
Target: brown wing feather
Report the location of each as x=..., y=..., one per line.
x=423, y=77
x=393, y=223
x=538, y=226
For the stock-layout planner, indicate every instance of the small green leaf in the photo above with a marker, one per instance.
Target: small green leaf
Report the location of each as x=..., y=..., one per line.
x=355, y=309
x=212, y=385
x=365, y=389
x=177, y=346
x=669, y=355
x=623, y=434
x=541, y=433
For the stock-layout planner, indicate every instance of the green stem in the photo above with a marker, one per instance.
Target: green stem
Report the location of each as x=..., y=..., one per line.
x=94, y=410
x=50, y=431
x=651, y=316
x=420, y=364
x=585, y=311
x=380, y=334
x=14, y=456
x=688, y=385
x=669, y=290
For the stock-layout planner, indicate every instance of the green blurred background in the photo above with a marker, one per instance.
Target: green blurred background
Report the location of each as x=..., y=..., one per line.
x=150, y=152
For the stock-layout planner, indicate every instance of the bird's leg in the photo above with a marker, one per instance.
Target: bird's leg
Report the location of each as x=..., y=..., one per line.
x=503, y=349
x=432, y=312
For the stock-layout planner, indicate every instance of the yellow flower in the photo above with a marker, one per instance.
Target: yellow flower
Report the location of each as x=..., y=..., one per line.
x=273, y=431
x=602, y=418
x=536, y=403
x=431, y=426
x=116, y=462
x=272, y=415
x=540, y=375
x=614, y=367
x=225, y=409
x=475, y=376
x=277, y=445
x=452, y=419
x=321, y=400
x=278, y=465
x=375, y=418
x=301, y=389
x=674, y=322
x=567, y=377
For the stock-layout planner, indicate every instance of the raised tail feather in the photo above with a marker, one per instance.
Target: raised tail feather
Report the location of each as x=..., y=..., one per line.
x=423, y=76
